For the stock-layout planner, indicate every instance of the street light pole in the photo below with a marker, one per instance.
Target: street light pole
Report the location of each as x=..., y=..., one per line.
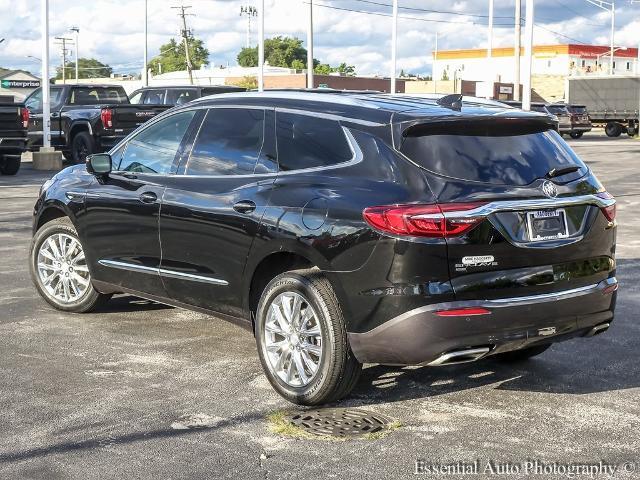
x=77, y=32
x=394, y=46
x=433, y=66
x=261, y=47
x=490, y=49
x=145, y=59
x=516, y=51
x=46, y=107
x=610, y=7
x=528, y=54
x=310, y=47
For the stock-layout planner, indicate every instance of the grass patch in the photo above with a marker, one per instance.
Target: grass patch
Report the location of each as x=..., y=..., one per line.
x=383, y=433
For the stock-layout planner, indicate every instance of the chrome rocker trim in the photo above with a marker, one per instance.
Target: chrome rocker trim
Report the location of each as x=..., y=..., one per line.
x=161, y=271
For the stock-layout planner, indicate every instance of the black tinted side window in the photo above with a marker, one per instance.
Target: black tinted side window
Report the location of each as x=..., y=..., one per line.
x=306, y=142
x=154, y=149
x=229, y=142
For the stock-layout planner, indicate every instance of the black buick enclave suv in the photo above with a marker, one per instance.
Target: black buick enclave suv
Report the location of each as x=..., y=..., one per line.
x=342, y=229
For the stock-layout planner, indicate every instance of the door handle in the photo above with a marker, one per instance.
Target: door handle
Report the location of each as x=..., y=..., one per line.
x=244, y=206
x=148, y=197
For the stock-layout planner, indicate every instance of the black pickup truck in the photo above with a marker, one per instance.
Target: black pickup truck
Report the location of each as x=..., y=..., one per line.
x=86, y=119
x=178, y=95
x=14, y=119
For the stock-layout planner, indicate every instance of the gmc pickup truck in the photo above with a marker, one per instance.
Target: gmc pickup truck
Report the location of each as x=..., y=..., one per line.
x=14, y=119
x=86, y=119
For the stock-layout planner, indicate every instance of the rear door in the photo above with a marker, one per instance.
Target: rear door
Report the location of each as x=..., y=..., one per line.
x=538, y=230
x=211, y=210
x=122, y=210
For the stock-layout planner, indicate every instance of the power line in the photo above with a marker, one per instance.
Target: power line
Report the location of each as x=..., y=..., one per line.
x=427, y=10
x=185, y=37
x=381, y=14
x=578, y=14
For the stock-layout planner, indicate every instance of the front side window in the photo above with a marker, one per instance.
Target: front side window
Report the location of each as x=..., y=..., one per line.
x=154, y=97
x=229, y=142
x=154, y=149
x=34, y=101
x=309, y=142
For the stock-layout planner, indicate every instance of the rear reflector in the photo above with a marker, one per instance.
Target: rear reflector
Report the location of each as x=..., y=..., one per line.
x=610, y=289
x=463, y=312
x=433, y=220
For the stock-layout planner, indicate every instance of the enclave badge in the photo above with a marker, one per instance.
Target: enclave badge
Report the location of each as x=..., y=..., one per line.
x=549, y=189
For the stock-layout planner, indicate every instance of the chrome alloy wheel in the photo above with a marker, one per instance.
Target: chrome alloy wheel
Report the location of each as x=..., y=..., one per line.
x=293, y=339
x=62, y=268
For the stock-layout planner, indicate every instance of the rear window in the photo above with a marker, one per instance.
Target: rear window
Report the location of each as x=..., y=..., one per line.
x=558, y=109
x=95, y=96
x=490, y=154
x=579, y=110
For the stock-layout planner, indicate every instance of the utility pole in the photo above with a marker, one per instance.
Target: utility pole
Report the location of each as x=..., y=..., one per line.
x=528, y=54
x=490, y=50
x=63, y=42
x=310, y=47
x=77, y=32
x=261, y=47
x=145, y=57
x=185, y=37
x=394, y=46
x=433, y=66
x=46, y=104
x=516, y=51
x=248, y=11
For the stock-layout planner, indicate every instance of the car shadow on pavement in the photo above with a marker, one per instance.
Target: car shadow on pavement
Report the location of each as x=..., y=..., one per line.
x=126, y=438
x=129, y=303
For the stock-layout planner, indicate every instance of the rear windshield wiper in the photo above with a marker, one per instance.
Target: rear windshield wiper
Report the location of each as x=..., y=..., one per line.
x=558, y=172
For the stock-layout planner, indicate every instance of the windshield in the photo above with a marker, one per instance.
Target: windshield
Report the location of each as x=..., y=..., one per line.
x=491, y=156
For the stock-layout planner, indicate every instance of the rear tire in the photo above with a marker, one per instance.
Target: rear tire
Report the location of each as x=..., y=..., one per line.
x=43, y=263
x=613, y=129
x=9, y=165
x=576, y=135
x=329, y=369
x=521, y=355
x=82, y=146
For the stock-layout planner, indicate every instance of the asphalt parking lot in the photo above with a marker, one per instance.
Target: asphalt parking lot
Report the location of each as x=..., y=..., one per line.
x=140, y=390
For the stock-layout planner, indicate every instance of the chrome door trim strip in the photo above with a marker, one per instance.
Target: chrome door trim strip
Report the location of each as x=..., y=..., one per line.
x=161, y=271
x=127, y=266
x=191, y=276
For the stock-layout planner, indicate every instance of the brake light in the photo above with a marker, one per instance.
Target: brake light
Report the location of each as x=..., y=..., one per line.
x=609, y=211
x=434, y=221
x=463, y=312
x=106, y=115
x=24, y=116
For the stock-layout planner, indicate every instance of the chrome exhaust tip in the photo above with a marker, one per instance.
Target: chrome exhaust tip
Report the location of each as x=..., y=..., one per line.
x=460, y=356
x=598, y=329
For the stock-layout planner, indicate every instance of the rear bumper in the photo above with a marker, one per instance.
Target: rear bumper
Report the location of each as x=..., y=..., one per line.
x=581, y=128
x=12, y=145
x=420, y=336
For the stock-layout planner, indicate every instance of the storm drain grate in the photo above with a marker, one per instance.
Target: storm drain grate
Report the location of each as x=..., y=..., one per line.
x=339, y=422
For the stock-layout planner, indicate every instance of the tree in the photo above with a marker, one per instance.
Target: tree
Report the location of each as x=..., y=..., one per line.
x=323, y=69
x=87, y=68
x=172, y=57
x=344, y=69
x=278, y=52
x=250, y=83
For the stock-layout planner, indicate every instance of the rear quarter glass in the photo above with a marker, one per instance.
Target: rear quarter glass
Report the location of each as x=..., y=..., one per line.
x=491, y=154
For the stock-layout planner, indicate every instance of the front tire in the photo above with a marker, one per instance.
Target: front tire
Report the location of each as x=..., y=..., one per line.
x=302, y=339
x=59, y=269
x=9, y=165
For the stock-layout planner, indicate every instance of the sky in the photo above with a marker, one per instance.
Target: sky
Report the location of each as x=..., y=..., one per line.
x=357, y=32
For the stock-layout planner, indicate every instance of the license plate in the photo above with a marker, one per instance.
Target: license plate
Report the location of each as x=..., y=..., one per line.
x=547, y=225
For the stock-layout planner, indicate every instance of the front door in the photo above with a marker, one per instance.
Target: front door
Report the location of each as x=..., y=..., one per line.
x=211, y=210
x=121, y=219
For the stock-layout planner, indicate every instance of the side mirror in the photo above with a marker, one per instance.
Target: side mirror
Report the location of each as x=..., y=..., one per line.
x=99, y=164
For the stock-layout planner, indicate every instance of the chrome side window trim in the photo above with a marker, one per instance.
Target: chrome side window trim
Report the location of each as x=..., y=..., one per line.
x=161, y=271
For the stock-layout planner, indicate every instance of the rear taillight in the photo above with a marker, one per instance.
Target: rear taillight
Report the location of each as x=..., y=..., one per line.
x=436, y=221
x=106, y=115
x=608, y=211
x=24, y=116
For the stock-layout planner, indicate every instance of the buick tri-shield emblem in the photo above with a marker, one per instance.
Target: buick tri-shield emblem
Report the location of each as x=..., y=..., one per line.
x=549, y=189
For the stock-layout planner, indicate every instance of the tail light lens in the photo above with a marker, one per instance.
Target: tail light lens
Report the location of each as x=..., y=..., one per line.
x=610, y=211
x=435, y=221
x=24, y=116
x=106, y=115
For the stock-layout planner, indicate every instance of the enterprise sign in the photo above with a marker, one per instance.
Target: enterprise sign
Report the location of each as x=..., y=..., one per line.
x=20, y=83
